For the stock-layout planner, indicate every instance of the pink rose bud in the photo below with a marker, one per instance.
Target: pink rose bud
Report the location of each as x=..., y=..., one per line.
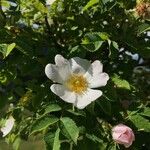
x=122, y=134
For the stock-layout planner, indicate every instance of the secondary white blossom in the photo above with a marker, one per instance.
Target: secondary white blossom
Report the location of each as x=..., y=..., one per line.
x=75, y=79
x=8, y=126
x=50, y=2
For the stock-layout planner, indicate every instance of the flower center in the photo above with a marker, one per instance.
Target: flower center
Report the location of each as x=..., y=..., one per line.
x=77, y=83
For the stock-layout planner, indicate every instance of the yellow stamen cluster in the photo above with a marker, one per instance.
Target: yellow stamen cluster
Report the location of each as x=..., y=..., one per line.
x=77, y=83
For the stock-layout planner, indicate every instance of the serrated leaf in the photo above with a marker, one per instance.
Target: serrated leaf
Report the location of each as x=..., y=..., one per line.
x=10, y=47
x=40, y=7
x=121, y=83
x=99, y=142
x=146, y=112
x=143, y=28
x=52, y=140
x=43, y=123
x=112, y=146
x=90, y=4
x=78, y=113
x=140, y=122
x=56, y=144
x=5, y=49
x=94, y=138
x=77, y=50
x=51, y=108
x=49, y=139
x=93, y=41
x=71, y=128
x=103, y=35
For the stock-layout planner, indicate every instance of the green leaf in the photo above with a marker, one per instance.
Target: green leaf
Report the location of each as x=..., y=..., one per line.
x=93, y=41
x=115, y=45
x=143, y=28
x=10, y=47
x=43, y=123
x=51, y=108
x=90, y=4
x=70, y=128
x=77, y=113
x=94, y=138
x=113, y=48
x=140, y=122
x=146, y=112
x=77, y=51
x=56, y=145
x=49, y=139
x=52, y=140
x=5, y=49
x=40, y=7
x=16, y=143
x=121, y=83
x=112, y=146
x=5, y=3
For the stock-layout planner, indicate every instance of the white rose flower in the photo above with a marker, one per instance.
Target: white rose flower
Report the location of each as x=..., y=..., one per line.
x=50, y=2
x=75, y=79
x=8, y=126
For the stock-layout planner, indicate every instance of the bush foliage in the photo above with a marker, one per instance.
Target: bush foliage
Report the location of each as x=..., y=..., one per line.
x=112, y=31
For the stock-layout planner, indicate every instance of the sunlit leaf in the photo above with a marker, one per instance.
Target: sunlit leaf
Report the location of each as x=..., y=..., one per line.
x=140, y=122
x=10, y=48
x=121, y=83
x=70, y=128
x=43, y=123
x=93, y=41
x=51, y=108
x=143, y=28
x=90, y=4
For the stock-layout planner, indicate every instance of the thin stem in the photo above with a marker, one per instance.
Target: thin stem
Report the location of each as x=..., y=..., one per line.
x=71, y=146
x=73, y=109
x=106, y=97
x=50, y=34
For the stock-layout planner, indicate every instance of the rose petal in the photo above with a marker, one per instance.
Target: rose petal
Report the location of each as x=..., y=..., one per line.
x=57, y=73
x=8, y=126
x=79, y=65
x=124, y=138
x=116, y=135
x=60, y=60
x=98, y=80
x=95, y=76
x=63, y=93
x=122, y=134
x=49, y=2
x=86, y=98
x=95, y=69
x=120, y=128
x=133, y=136
x=128, y=144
